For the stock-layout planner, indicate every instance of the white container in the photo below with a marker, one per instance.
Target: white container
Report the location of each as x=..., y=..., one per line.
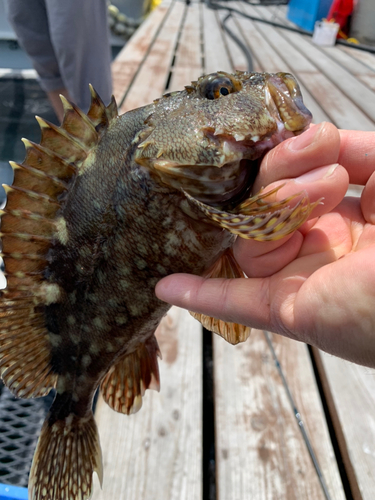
x=325, y=33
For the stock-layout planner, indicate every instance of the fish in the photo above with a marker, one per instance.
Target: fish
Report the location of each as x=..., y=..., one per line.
x=102, y=209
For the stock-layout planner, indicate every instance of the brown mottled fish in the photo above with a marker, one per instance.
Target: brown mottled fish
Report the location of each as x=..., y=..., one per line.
x=100, y=211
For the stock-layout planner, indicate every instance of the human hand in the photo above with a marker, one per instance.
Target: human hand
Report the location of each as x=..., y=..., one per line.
x=317, y=285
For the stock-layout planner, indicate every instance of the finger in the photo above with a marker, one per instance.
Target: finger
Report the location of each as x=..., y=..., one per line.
x=368, y=200
x=329, y=183
x=270, y=262
x=264, y=303
x=329, y=233
x=258, y=258
x=228, y=299
x=357, y=155
x=318, y=146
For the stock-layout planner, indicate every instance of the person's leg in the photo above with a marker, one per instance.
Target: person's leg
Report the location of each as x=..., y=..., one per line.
x=80, y=38
x=54, y=98
x=30, y=23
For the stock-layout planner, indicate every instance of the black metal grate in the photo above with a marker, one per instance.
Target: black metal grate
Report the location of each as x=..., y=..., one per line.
x=20, y=423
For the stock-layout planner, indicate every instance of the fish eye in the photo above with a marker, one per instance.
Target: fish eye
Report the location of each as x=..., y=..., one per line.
x=215, y=86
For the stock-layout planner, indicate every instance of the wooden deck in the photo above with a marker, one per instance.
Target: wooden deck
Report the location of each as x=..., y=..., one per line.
x=165, y=452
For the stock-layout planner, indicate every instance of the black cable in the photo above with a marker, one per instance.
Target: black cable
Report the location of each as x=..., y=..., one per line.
x=238, y=41
x=297, y=414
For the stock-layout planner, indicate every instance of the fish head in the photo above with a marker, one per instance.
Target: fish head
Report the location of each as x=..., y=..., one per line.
x=207, y=138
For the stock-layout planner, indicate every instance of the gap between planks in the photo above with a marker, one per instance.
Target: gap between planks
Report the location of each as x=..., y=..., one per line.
x=157, y=453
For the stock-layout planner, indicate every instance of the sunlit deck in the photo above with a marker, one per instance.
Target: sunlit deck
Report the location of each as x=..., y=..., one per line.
x=223, y=425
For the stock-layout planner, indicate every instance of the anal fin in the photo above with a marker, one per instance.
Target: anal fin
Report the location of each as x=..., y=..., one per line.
x=225, y=267
x=128, y=378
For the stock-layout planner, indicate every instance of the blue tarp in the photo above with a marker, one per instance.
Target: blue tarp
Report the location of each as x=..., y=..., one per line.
x=304, y=13
x=8, y=492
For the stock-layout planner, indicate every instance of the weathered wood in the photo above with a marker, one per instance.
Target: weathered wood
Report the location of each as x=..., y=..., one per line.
x=157, y=453
x=260, y=452
x=152, y=77
x=236, y=55
x=350, y=393
x=188, y=59
x=358, y=93
x=270, y=60
x=295, y=50
x=215, y=50
x=366, y=58
x=131, y=57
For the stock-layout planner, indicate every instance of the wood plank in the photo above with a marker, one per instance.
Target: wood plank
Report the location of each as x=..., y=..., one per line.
x=260, y=452
x=338, y=107
x=271, y=61
x=350, y=391
x=188, y=61
x=354, y=66
x=215, y=51
x=236, y=54
x=151, y=80
x=356, y=91
x=366, y=58
x=131, y=57
x=157, y=453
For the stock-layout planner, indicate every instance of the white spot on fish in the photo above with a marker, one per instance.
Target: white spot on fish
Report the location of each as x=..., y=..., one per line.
x=110, y=347
x=54, y=339
x=98, y=322
x=172, y=243
x=94, y=348
x=69, y=420
x=161, y=269
x=88, y=163
x=121, y=320
x=71, y=320
x=49, y=292
x=62, y=230
x=86, y=360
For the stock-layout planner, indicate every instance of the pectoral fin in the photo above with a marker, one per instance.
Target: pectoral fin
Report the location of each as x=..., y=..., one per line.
x=258, y=220
x=225, y=267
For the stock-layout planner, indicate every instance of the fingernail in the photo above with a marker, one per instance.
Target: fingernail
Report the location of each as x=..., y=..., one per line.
x=316, y=174
x=305, y=139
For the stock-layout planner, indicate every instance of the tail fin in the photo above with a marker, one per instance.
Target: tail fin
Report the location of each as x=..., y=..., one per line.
x=67, y=454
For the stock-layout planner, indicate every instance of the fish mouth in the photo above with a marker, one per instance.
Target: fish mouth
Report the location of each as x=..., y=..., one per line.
x=283, y=99
x=284, y=102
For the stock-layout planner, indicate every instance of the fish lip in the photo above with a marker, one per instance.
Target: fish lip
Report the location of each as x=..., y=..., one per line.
x=284, y=102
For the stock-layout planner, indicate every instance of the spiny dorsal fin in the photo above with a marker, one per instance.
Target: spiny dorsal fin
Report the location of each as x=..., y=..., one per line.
x=100, y=115
x=29, y=226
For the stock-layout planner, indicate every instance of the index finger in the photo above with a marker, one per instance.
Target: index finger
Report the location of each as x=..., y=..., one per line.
x=317, y=147
x=357, y=155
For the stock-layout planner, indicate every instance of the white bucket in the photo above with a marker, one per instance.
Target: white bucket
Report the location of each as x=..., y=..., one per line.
x=325, y=33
